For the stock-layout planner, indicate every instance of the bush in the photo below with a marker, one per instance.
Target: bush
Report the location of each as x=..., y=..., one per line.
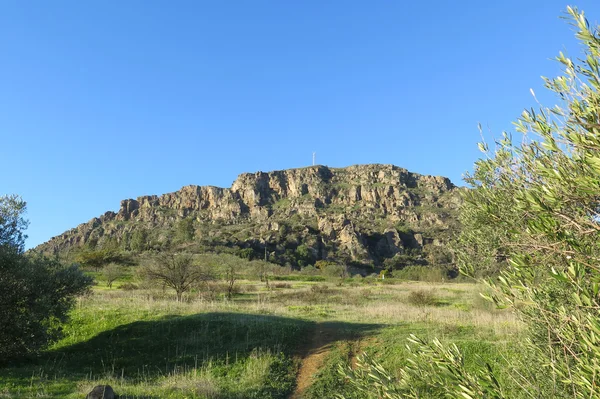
x=422, y=273
x=184, y=230
x=245, y=288
x=129, y=287
x=400, y=261
x=298, y=278
x=322, y=264
x=246, y=253
x=309, y=271
x=422, y=298
x=335, y=270
x=37, y=293
x=281, y=285
x=139, y=240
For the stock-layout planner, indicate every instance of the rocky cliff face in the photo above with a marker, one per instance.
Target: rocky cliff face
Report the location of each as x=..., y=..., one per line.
x=362, y=213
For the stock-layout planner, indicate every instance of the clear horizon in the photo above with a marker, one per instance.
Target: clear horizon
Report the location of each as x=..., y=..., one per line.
x=108, y=101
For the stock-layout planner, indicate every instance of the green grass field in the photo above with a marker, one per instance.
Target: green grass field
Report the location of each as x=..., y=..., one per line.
x=286, y=342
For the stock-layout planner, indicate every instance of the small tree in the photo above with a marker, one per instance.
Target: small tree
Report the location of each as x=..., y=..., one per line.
x=176, y=271
x=335, y=270
x=304, y=255
x=99, y=258
x=246, y=253
x=12, y=222
x=112, y=272
x=184, y=230
x=36, y=292
x=264, y=270
x=139, y=240
x=231, y=268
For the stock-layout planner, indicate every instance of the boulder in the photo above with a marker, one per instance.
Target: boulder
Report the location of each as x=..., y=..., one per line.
x=101, y=392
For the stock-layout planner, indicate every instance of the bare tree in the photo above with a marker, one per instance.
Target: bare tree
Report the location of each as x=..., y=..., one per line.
x=231, y=270
x=264, y=270
x=113, y=272
x=230, y=278
x=177, y=271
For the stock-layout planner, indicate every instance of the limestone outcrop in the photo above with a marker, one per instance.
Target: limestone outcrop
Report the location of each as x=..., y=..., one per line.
x=361, y=213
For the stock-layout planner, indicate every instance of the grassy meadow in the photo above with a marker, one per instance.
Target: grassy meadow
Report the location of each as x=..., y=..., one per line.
x=285, y=341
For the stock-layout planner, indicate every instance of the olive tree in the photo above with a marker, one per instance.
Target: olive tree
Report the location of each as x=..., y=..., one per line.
x=531, y=223
x=36, y=292
x=12, y=222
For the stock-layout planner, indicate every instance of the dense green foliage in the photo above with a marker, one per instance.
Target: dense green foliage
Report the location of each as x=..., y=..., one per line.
x=185, y=230
x=531, y=223
x=36, y=292
x=139, y=240
x=12, y=222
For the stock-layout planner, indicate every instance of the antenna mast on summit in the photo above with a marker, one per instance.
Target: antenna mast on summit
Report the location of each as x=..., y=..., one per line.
x=314, y=157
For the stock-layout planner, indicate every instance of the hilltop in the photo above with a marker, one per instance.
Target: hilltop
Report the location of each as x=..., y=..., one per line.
x=365, y=215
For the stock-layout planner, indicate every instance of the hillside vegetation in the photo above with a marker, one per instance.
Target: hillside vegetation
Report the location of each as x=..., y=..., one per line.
x=369, y=216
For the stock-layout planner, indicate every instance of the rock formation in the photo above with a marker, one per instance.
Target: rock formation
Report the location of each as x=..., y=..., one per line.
x=362, y=213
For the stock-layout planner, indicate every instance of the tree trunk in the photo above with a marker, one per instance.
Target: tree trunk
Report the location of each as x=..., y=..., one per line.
x=230, y=289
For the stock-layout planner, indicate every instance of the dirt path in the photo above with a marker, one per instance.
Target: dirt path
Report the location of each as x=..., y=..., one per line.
x=316, y=350
x=324, y=336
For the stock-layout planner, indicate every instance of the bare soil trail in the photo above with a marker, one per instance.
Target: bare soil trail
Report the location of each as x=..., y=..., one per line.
x=315, y=351
x=314, y=354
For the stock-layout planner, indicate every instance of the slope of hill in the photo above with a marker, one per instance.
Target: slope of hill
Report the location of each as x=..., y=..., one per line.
x=362, y=214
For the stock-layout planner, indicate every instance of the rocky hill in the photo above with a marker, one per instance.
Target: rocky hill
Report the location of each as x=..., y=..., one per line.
x=362, y=214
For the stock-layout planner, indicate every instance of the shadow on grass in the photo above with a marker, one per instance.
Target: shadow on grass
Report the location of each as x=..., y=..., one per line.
x=145, y=351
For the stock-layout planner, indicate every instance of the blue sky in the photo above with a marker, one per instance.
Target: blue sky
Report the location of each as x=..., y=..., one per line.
x=106, y=100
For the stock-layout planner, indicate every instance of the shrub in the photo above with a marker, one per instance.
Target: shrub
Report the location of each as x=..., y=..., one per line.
x=36, y=292
x=246, y=253
x=281, y=285
x=321, y=289
x=309, y=271
x=335, y=270
x=429, y=274
x=100, y=258
x=298, y=278
x=398, y=262
x=423, y=298
x=322, y=264
x=247, y=288
x=129, y=287
x=184, y=230
x=139, y=240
